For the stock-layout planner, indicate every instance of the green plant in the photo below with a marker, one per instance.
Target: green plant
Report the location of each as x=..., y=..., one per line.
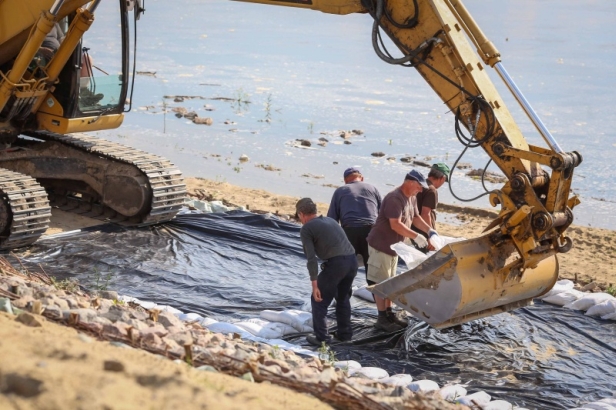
x=275, y=352
x=102, y=280
x=311, y=127
x=611, y=290
x=241, y=101
x=117, y=302
x=237, y=169
x=326, y=354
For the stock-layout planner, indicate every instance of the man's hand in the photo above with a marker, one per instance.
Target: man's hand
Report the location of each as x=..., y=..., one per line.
x=420, y=241
x=316, y=293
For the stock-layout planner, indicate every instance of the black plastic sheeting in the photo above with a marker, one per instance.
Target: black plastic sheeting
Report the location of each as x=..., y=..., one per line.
x=236, y=264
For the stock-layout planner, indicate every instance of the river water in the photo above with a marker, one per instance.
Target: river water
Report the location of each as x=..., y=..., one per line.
x=298, y=74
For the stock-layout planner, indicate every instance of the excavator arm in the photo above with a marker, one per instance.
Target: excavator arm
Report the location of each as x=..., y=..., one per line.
x=515, y=260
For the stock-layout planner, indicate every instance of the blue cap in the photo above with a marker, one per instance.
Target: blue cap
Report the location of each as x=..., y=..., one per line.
x=350, y=171
x=416, y=176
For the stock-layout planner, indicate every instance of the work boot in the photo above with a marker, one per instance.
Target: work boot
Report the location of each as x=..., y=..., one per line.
x=383, y=323
x=312, y=339
x=391, y=315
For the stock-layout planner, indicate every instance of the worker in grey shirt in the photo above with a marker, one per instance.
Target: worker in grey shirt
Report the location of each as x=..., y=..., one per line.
x=324, y=239
x=356, y=205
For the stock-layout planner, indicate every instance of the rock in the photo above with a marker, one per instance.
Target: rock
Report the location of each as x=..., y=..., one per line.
x=345, y=134
x=304, y=143
x=109, y=294
x=357, y=132
x=190, y=115
x=83, y=315
x=323, y=139
x=117, y=329
x=205, y=121
x=84, y=338
x=378, y=154
x=347, y=142
x=181, y=338
x=22, y=302
x=156, y=329
x=116, y=313
x=53, y=312
x=168, y=319
x=178, y=99
x=244, y=158
x=248, y=376
x=591, y=287
x=113, y=366
x=151, y=341
x=280, y=363
x=29, y=319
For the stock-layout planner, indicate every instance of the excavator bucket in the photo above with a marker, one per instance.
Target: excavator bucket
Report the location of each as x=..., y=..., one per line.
x=468, y=280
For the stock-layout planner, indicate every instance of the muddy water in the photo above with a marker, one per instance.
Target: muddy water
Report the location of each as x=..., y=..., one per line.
x=296, y=74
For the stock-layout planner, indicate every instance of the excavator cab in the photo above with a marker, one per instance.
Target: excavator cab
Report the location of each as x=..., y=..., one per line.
x=62, y=74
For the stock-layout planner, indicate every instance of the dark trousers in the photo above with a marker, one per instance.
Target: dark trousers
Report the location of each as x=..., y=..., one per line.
x=335, y=282
x=357, y=236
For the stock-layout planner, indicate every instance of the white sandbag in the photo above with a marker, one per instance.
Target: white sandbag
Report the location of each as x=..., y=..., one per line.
x=218, y=206
x=206, y=321
x=190, y=317
x=348, y=365
x=479, y=398
x=611, y=316
x=250, y=327
x=148, y=305
x=588, y=300
x=170, y=309
x=565, y=297
x=398, y=380
x=411, y=256
x=364, y=294
x=299, y=320
x=600, y=405
x=373, y=373
x=423, y=386
x=602, y=309
x=276, y=330
x=498, y=405
x=559, y=287
x=452, y=392
x=226, y=328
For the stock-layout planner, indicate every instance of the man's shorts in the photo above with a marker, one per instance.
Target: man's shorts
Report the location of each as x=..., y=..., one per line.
x=381, y=266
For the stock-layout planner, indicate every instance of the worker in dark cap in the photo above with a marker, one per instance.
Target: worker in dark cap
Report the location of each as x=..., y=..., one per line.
x=355, y=206
x=427, y=199
x=398, y=213
x=322, y=238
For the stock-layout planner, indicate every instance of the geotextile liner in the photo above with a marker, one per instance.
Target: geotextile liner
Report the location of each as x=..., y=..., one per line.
x=234, y=265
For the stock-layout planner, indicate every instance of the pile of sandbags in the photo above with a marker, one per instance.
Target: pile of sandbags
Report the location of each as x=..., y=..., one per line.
x=563, y=294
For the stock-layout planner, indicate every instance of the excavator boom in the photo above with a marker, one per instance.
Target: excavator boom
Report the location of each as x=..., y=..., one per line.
x=515, y=260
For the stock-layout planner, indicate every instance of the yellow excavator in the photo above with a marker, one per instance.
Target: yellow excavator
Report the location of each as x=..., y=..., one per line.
x=51, y=92
x=515, y=260
x=48, y=97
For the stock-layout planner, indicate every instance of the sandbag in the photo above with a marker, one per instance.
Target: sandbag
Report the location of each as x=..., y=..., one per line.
x=373, y=373
x=498, y=405
x=170, y=309
x=559, y=287
x=602, y=309
x=276, y=330
x=226, y=328
x=397, y=380
x=190, y=317
x=452, y=392
x=413, y=257
x=207, y=321
x=364, y=294
x=251, y=327
x=299, y=320
x=424, y=386
x=564, y=298
x=611, y=316
x=588, y=300
x=479, y=398
x=348, y=365
x=601, y=405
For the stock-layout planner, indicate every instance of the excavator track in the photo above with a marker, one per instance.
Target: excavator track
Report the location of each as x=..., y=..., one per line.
x=166, y=182
x=24, y=210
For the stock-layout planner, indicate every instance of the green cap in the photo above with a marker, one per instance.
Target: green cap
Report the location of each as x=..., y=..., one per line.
x=442, y=167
